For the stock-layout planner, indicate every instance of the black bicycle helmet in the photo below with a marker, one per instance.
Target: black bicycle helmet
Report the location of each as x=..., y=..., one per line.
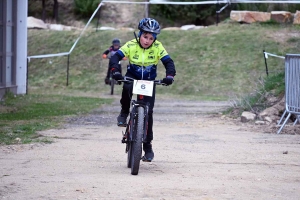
x=149, y=25
x=116, y=41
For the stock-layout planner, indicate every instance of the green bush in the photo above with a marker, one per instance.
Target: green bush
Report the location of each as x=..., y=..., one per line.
x=206, y=14
x=196, y=14
x=85, y=8
x=273, y=85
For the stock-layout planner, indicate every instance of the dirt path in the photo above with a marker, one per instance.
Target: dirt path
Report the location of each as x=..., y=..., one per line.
x=197, y=156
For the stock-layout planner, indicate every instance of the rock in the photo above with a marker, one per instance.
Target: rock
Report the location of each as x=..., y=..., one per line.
x=126, y=29
x=106, y=28
x=272, y=99
x=297, y=17
x=282, y=16
x=249, y=16
x=187, y=27
x=247, y=116
x=198, y=27
x=18, y=140
x=260, y=123
x=269, y=112
x=35, y=23
x=56, y=27
x=223, y=117
x=268, y=119
x=171, y=28
x=59, y=27
x=273, y=111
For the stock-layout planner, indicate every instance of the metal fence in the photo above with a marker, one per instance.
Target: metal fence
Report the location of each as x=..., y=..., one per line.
x=292, y=89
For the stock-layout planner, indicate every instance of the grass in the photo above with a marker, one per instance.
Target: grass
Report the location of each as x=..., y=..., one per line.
x=212, y=63
x=271, y=86
x=23, y=116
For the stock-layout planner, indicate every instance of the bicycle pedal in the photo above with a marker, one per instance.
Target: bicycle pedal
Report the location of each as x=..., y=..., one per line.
x=144, y=159
x=122, y=125
x=124, y=140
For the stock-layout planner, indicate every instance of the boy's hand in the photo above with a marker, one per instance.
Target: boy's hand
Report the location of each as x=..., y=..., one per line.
x=168, y=80
x=104, y=56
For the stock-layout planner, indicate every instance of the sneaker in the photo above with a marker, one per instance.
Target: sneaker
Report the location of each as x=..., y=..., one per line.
x=122, y=119
x=149, y=154
x=106, y=81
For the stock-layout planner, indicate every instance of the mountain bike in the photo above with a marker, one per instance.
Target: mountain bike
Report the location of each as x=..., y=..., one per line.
x=112, y=82
x=136, y=128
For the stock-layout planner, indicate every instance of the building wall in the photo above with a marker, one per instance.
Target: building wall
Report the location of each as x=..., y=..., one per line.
x=13, y=46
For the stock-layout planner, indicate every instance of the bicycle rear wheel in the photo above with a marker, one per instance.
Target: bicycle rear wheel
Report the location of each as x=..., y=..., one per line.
x=136, y=145
x=112, y=85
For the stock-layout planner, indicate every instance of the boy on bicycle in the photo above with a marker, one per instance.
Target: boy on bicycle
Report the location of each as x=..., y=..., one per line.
x=143, y=54
x=116, y=44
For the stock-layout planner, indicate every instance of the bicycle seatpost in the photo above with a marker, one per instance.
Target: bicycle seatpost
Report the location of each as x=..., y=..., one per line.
x=140, y=97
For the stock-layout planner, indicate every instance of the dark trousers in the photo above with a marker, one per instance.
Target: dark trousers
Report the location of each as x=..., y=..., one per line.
x=125, y=103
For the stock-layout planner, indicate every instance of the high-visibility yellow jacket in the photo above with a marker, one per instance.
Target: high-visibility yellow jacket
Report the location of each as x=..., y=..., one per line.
x=143, y=62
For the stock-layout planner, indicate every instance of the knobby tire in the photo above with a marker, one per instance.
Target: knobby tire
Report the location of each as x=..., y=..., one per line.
x=112, y=85
x=136, y=145
x=129, y=146
x=129, y=155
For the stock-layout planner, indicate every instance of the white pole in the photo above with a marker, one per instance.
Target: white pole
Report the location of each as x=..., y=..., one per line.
x=200, y=2
x=21, y=43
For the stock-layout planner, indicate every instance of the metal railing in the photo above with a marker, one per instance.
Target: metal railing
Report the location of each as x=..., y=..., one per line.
x=292, y=89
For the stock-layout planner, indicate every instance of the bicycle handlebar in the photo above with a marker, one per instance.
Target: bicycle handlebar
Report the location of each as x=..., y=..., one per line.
x=129, y=79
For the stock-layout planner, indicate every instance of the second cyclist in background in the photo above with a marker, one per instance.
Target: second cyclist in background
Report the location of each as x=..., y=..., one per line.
x=116, y=44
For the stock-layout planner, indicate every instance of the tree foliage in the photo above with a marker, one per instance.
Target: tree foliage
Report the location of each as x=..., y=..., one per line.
x=85, y=8
x=202, y=14
x=196, y=14
x=43, y=8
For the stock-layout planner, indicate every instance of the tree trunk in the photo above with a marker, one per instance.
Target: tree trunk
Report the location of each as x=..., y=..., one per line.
x=43, y=10
x=55, y=10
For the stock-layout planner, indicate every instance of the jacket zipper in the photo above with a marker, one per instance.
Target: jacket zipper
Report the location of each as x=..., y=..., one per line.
x=143, y=65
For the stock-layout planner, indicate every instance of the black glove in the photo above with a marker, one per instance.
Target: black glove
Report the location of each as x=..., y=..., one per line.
x=117, y=76
x=168, y=80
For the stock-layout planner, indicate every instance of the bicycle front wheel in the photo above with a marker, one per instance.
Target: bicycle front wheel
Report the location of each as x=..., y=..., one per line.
x=112, y=85
x=129, y=154
x=136, y=145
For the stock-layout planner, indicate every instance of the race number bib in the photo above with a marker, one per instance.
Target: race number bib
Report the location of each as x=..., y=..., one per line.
x=143, y=87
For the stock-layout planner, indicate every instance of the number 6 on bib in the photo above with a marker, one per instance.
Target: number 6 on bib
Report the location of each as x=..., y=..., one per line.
x=143, y=87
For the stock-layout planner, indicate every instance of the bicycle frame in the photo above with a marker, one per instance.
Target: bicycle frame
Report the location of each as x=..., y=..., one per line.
x=127, y=136
x=136, y=129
